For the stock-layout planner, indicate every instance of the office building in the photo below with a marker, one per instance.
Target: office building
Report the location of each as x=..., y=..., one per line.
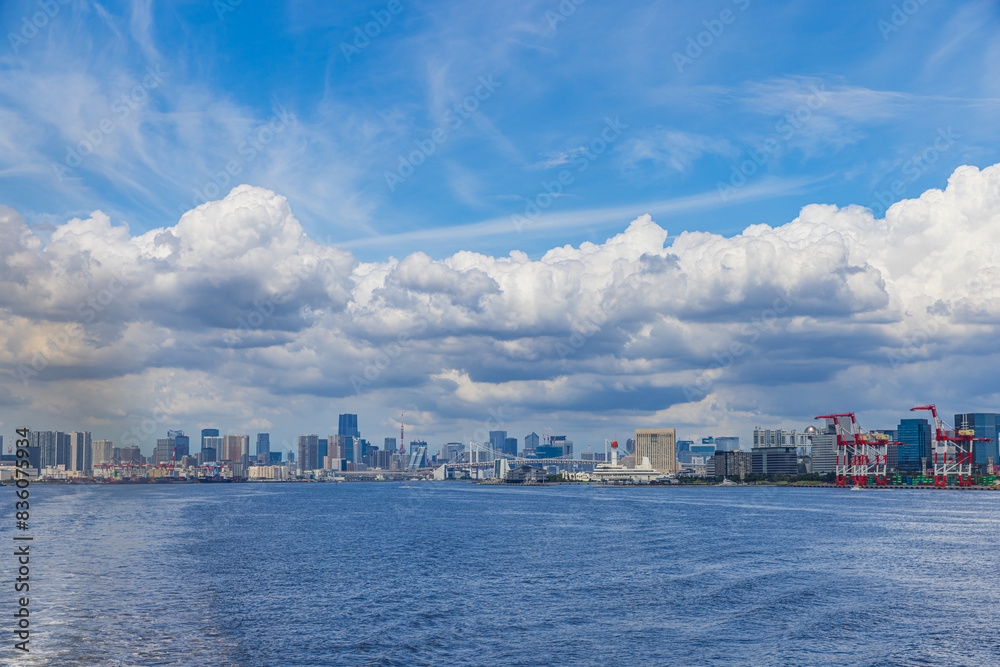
x=727, y=443
x=418, y=454
x=704, y=449
x=182, y=444
x=765, y=437
x=452, y=451
x=81, y=452
x=733, y=463
x=348, y=425
x=914, y=436
x=390, y=444
x=234, y=447
x=530, y=444
x=498, y=440
x=104, y=452
x=510, y=446
x=774, y=461
x=823, y=448
x=209, y=433
x=264, y=446
x=308, y=451
x=659, y=446
x=985, y=425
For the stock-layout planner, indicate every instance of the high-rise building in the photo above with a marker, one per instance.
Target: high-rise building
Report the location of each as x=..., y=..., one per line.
x=209, y=433
x=985, y=425
x=530, y=444
x=418, y=454
x=733, y=463
x=308, y=449
x=348, y=425
x=510, y=446
x=774, y=461
x=659, y=445
x=81, y=452
x=390, y=444
x=263, y=445
x=182, y=445
x=234, y=447
x=727, y=443
x=164, y=450
x=824, y=447
x=914, y=436
x=498, y=439
x=212, y=449
x=322, y=450
x=104, y=452
x=705, y=448
x=452, y=451
x=766, y=437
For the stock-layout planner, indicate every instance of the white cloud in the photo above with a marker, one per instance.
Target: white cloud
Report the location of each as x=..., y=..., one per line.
x=237, y=310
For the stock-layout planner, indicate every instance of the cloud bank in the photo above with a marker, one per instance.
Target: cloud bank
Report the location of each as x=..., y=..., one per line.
x=235, y=316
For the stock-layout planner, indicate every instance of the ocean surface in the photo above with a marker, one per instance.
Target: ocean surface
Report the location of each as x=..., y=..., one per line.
x=459, y=574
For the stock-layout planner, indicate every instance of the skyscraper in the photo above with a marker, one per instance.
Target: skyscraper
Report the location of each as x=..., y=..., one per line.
x=659, y=445
x=498, y=440
x=915, y=436
x=727, y=444
x=510, y=446
x=164, y=450
x=182, y=445
x=348, y=425
x=104, y=452
x=212, y=448
x=234, y=447
x=308, y=449
x=530, y=444
x=263, y=444
x=986, y=425
x=208, y=433
x=81, y=452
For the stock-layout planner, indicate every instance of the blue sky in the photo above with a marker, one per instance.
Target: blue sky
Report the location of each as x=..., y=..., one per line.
x=472, y=178
x=886, y=92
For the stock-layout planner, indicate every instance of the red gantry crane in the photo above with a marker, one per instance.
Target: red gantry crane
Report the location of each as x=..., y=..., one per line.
x=860, y=453
x=952, y=450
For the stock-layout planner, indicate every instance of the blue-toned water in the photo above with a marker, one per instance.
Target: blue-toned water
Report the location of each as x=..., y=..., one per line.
x=453, y=573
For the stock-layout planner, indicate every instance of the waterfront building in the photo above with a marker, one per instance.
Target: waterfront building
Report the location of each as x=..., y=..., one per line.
x=766, y=437
x=81, y=452
x=985, y=425
x=727, y=443
x=163, y=451
x=824, y=448
x=525, y=474
x=131, y=455
x=104, y=452
x=914, y=436
x=704, y=449
x=322, y=450
x=774, y=461
x=659, y=446
x=348, y=425
x=733, y=463
x=418, y=454
x=308, y=450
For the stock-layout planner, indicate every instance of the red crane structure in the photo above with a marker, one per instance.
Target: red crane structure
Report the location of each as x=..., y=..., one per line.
x=860, y=453
x=952, y=449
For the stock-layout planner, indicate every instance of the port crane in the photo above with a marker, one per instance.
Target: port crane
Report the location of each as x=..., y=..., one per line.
x=860, y=453
x=952, y=449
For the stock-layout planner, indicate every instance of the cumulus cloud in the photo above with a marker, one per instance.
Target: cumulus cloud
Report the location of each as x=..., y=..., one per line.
x=235, y=313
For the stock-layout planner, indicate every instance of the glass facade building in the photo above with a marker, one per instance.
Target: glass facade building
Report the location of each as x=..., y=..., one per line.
x=915, y=438
x=348, y=425
x=986, y=425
